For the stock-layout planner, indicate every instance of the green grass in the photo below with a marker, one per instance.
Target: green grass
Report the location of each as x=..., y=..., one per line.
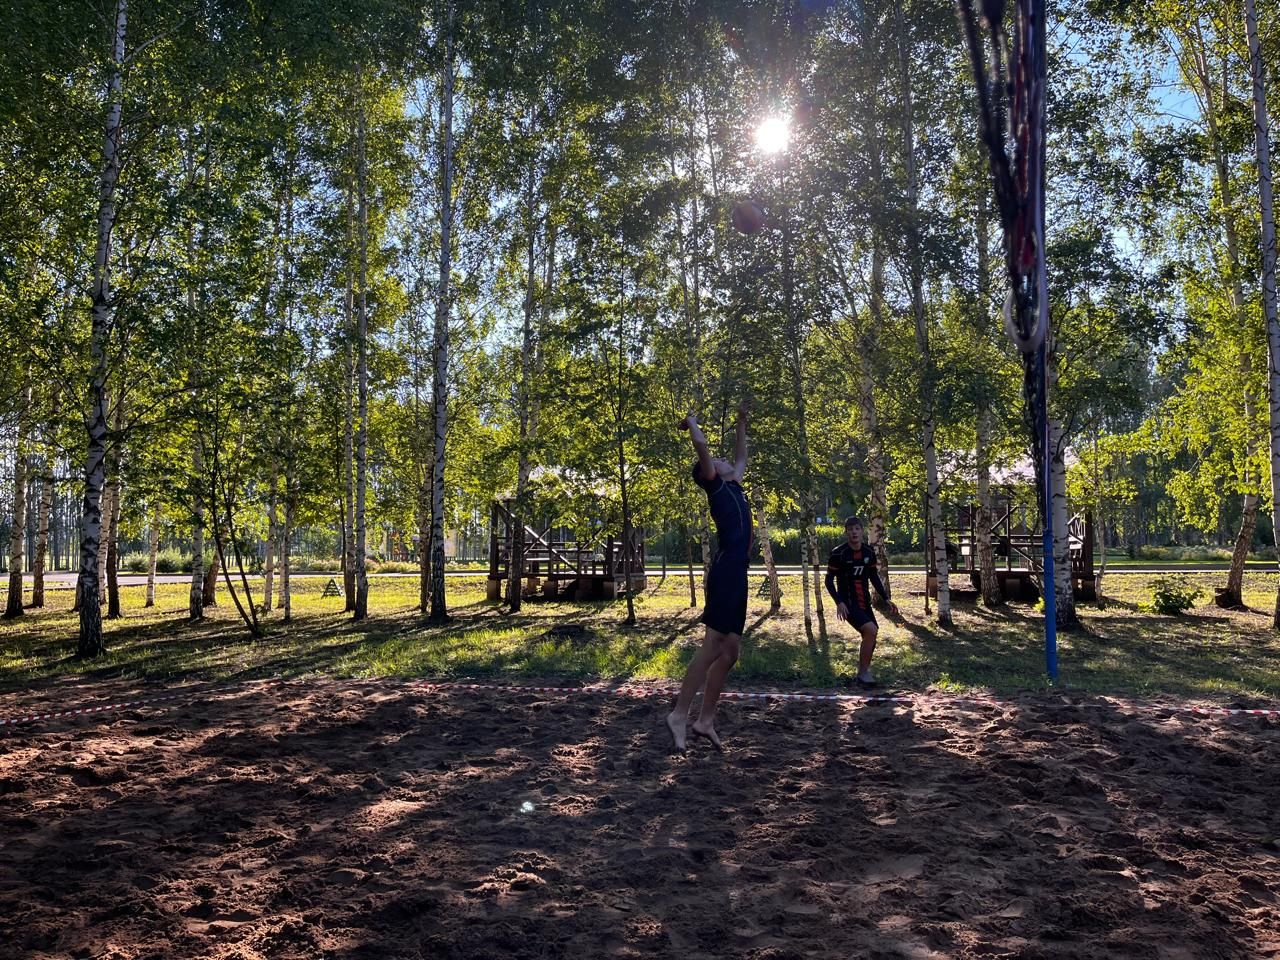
x=1121, y=649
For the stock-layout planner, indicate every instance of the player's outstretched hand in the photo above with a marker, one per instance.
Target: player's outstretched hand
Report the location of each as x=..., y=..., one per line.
x=689, y=422
x=744, y=408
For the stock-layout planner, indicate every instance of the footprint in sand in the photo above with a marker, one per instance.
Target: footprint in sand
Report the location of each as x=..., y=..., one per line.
x=898, y=868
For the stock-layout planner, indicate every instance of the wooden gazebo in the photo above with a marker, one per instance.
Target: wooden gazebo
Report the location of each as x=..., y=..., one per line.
x=556, y=565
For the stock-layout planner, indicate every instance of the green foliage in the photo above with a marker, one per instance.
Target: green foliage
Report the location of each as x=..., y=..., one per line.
x=167, y=561
x=1170, y=596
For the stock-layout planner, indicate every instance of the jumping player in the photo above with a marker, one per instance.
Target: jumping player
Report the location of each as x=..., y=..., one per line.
x=851, y=568
x=725, y=613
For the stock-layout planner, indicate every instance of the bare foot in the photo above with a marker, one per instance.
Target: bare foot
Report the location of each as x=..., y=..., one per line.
x=709, y=732
x=676, y=725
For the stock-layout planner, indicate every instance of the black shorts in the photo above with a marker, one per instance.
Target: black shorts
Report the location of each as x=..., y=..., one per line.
x=726, y=608
x=860, y=616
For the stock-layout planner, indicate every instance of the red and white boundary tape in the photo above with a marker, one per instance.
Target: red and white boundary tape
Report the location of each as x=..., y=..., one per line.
x=84, y=711
x=634, y=690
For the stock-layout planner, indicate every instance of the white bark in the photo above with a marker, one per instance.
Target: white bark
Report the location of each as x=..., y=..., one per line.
x=1248, y=520
x=1064, y=596
x=104, y=539
x=348, y=452
x=90, y=643
x=362, y=365
x=154, y=537
x=18, y=534
x=524, y=464
x=286, y=539
x=879, y=518
x=440, y=391
x=991, y=593
x=117, y=494
x=195, y=602
x=1262, y=140
x=195, y=606
x=766, y=548
x=269, y=561
x=928, y=426
x=804, y=588
x=811, y=538
x=42, y=530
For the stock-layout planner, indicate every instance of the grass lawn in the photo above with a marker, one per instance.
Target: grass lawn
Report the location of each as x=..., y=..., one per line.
x=1207, y=654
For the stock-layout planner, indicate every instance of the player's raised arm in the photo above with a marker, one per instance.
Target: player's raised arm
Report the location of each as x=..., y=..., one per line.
x=699, y=439
x=740, y=450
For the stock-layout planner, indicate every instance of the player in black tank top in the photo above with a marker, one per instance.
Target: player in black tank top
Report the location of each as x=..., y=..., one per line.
x=726, y=594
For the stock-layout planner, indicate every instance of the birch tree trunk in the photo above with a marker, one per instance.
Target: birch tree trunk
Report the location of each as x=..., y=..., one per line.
x=90, y=641
x=424, y=542
x=18, y=533
x=766, y=548
x=688, y=554
x=440, y=391
x=1262, y=140
x=928, y=375
x=620, y=436
x=269, y=561
x=516, y=570
x=808, y=542
x=1231, y=596
x=195, y=604
x=811, y=539
x=209, y=590
x=804, y=590
x=195, y=600
x=876, y=473
x=348, y=457
x=154, y=537
x=992, y=596
x=117, y=494
x=286, y=538
x=104, y=541
x=42, y=530
x=1064, y=593
x=362, y=365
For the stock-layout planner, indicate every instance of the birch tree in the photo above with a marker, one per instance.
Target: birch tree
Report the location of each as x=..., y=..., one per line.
x=90, y=643
x=440, y=386
x=1262, y=140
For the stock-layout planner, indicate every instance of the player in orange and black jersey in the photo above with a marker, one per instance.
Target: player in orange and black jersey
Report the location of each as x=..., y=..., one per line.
x=851, y=571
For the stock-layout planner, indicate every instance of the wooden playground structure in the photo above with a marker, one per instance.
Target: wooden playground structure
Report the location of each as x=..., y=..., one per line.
x=1017, y=542
x=557, y=566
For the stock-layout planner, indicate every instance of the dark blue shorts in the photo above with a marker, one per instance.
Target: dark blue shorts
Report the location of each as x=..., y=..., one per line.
x=726, y=609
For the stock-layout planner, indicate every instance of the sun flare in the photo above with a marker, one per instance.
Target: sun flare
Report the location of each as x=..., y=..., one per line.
x=773, y=134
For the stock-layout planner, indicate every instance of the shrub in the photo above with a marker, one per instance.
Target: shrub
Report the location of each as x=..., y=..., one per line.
x=135, y=562
x=1201, y=554
x=397, y=566
x=172, y=561
x=314, y=565
x=167, y=561
x=1173, y=596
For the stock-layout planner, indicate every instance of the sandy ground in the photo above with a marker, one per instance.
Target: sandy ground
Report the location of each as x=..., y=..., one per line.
x=342, y=819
